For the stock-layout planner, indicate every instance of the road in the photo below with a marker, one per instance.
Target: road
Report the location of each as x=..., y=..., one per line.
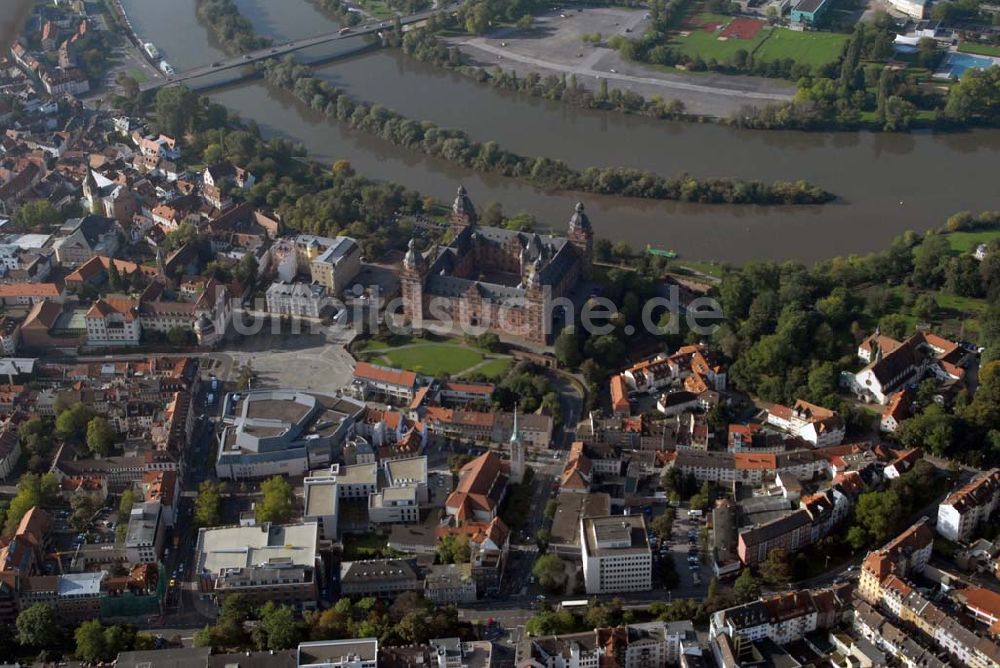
x=281, y=50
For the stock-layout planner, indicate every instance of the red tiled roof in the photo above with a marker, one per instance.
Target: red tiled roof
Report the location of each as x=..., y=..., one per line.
x=382, y=374
x=29, y=290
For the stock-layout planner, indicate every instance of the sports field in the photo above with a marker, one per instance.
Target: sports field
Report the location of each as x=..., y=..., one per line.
x=709, y=36
x=809, y=48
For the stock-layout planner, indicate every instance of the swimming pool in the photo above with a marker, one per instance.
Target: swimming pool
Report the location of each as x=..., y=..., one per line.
x=955, y=64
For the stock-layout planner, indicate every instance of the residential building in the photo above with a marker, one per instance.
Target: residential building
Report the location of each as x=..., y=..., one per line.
x=450, y=584
x=385, y=382
x=968, y=507
x=297, y=299
x=113, y=322
x=813, y=424
x=384, y=578
x=264, y=562
x=337, y=265
x=10, y=452
x=908, y=553
x=84, y=238
x=615, y=553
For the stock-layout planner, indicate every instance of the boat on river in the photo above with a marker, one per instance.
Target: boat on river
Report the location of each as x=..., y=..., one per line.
x=660, y=252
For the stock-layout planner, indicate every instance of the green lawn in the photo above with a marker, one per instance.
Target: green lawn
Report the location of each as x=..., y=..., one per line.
x=365, y=546
x=809, y=48
x=433, y=359
x=377, y=8
x=495, y=369
x=965, y=242
x=979, y=49
x=962, y=304
x=709, y=268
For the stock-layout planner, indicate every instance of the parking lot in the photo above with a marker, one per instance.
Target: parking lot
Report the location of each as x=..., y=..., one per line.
x=684, y=545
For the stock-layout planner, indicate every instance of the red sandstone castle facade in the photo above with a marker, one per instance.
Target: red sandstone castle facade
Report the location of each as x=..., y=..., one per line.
x=493, y=278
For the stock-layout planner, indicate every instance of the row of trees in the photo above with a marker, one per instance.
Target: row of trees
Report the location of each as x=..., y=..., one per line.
x=38, y=628
x=409, y=619
x=456, y=147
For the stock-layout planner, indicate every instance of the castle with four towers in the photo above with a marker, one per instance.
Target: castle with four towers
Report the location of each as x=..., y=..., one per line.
x=496, y=278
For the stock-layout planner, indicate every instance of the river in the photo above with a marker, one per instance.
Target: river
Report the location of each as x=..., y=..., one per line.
x=887, y=183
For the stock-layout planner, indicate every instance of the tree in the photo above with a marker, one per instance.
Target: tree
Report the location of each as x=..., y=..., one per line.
x=746, y=588
x=567, y=348
x=551, y=572
x=125, y=503
x=37, y=626
x=37, y=213
x=551, y=508
x=207, y=505
x=454, y=549
x=84, y=506
x=280, y=630
x=663, y=524
x=879, y=514
x=551, y=622
x=32, y=490
x=776, y=570
x=100, y=436
x=278, y=502
x=72, y=423
x=179, y=336
x=176, y=108
x=526, y=22
x=36, y=436
x=90, y=646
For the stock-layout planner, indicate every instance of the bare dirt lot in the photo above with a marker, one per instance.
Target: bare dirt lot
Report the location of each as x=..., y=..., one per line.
x=555, y=46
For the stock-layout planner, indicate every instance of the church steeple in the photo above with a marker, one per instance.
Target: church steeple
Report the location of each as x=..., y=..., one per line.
x=516, y=452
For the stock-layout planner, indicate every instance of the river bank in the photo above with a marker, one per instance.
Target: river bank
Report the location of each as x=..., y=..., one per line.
x=887, y=183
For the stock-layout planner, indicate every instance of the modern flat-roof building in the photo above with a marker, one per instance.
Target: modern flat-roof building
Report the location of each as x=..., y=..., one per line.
x=616, y=554
x=146, y=529
x=264, y=562
x=351, y=653
x=809, y=12
x=281, y=432
x=915, y=8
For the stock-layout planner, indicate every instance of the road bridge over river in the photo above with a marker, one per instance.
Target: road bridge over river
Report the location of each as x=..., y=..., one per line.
x=279, y=50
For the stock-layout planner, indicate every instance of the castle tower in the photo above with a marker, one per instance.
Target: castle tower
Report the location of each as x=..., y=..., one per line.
x=581, y=235
x=516, y=453
x=411, y=280
x=463, y=213
x=535, y=306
